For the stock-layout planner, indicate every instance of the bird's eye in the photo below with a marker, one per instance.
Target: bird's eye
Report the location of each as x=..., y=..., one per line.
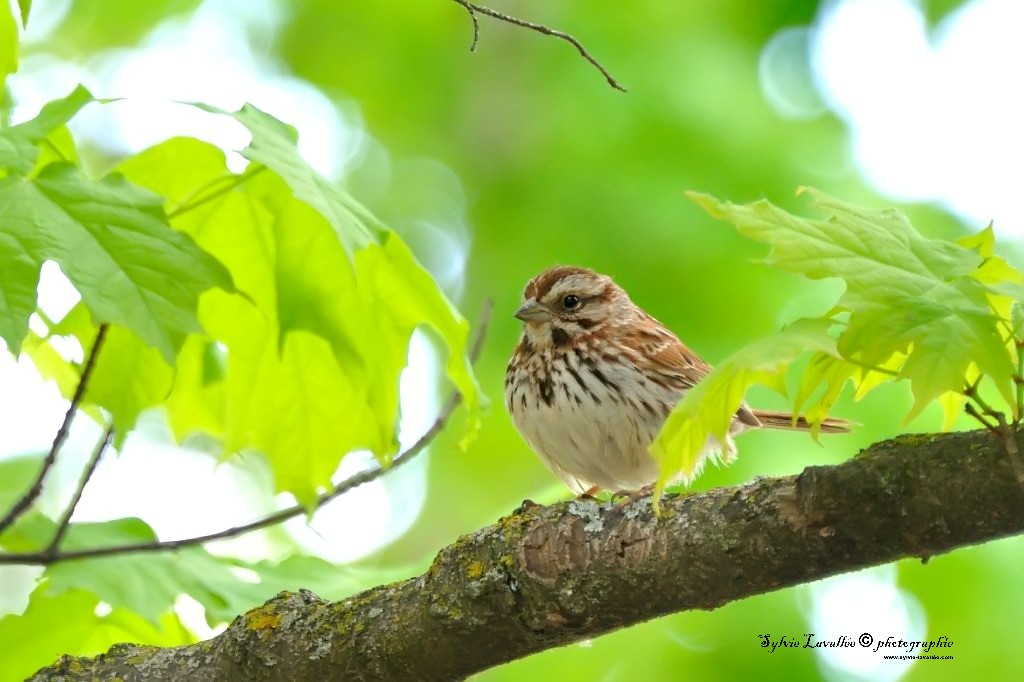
x=570, y=302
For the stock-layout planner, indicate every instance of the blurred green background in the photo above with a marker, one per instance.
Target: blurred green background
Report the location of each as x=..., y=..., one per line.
x=519, y=156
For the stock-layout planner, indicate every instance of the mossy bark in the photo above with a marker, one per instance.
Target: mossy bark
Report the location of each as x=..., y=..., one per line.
x=548, y=576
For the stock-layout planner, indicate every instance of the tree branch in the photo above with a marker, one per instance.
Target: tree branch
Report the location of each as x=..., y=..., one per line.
x=36, y=488
x=51, y=556
x=474, y=10
x=548, y=576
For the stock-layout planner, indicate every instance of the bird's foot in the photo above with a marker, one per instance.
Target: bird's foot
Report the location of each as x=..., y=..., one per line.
x=628, y=497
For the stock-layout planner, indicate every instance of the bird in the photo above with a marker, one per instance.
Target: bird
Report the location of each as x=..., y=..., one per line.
x=593, y=378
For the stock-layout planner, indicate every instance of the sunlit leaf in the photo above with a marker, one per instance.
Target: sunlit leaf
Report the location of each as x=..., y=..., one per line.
x=828, y=372
x=30, y=640
x=699, y=424
x=952, y=403
x=8, y=51
x=25, y=6
x=128, y=376
x=145, y=583
x=273, y=145
x=19, y=145
x=315, y=349
x=149, y=583
x=16, y=475
x=930, y=311
x=289, y=398
x=402, y=293
x=196, y=402
x=112, y=241
x=932, y=300
x=32, y=532
x=53, y=366
x=870, y=377
x=405, y=297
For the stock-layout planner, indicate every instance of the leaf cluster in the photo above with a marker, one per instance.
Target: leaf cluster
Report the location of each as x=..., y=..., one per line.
x=264, y=309
x=941, y=315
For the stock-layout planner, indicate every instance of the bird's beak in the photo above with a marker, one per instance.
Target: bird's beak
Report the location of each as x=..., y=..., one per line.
x=531, y=311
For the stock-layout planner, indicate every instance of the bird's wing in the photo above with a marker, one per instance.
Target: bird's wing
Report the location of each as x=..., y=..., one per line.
x=669, y=360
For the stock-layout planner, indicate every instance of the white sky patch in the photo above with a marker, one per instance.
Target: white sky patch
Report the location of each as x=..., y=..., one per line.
x=206, y=57
x=57, y=296
x=867, y=602
x=193, y=617
x=933, y=116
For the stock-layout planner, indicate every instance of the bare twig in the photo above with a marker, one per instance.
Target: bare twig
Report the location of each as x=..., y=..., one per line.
x=1005, y=430
x=476, y=27
x=1018, y=379
x=973, y=394
x=36, y=488
x=90, y=469
x=474, y=9
x=970, y=409
x=46, y=557
x=1007, y=433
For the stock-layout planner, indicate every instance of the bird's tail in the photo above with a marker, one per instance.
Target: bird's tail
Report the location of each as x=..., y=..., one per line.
x=771, y=419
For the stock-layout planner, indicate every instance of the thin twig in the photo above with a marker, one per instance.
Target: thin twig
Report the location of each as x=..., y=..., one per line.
x=1009, y=437
x=1007, y=431
x=1018, y=378
x=62, y=433
x=474, y=9
x=45, y=558
x=972, y=393
x=90, y=469
x=476, y=27
x=970, y=409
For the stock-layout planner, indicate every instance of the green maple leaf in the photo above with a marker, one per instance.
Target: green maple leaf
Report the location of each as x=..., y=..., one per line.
x=941, y=304
x=938, y=314
x=8, y=55
x=273, y=145
x=315, y=350
x=19, y=145
x=112, y=240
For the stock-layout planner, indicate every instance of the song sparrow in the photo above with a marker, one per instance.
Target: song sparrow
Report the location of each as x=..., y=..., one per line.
x=594, y=377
